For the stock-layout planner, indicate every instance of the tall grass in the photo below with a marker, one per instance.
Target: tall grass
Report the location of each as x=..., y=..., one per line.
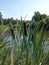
x=27, y=50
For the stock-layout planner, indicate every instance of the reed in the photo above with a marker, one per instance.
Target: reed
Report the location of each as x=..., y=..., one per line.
x=27, y=50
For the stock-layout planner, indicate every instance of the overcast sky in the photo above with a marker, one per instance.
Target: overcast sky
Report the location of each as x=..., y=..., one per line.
x=18, y=8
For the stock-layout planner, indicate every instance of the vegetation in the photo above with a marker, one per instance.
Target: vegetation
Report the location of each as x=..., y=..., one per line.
x=27, y=46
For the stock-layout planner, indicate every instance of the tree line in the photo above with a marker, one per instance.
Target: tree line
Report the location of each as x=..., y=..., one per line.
x=36, y=18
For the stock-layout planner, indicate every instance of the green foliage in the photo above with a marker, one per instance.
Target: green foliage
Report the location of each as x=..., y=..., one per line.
x=24, y=49
x=36, y=16
x=45, y=59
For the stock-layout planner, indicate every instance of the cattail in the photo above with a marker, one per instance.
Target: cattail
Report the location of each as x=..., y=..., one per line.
x=32, y=37
x=25, y=29
x=12, y=32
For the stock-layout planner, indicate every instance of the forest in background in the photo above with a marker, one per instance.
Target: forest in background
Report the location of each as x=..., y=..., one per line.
x=37, y=17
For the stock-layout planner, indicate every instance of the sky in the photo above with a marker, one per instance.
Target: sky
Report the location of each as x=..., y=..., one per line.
x=24, y=8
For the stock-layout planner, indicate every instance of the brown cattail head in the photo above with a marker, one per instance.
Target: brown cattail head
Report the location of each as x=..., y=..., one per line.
x=12, y=32
x=25, y=29
x=32, y=38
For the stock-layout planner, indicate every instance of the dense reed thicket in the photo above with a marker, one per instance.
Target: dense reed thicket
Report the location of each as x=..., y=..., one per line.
x=27, y=46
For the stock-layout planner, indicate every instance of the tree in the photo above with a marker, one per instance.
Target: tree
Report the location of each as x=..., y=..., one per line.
x=47, y=21
x=1, y=19
x=43, y=16
x=36, y=16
